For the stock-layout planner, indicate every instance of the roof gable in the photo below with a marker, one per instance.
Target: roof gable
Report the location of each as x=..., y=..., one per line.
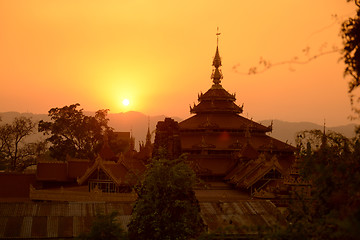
x=115, y=171
x=247, y=174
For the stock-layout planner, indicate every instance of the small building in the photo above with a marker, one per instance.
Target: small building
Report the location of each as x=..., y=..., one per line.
x=83, y=180
x=79, y=179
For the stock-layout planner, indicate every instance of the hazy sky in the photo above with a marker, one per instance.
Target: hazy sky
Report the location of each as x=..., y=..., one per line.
x=158, y=54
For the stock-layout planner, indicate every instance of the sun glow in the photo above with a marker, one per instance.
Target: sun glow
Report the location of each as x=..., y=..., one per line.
x=126, y=102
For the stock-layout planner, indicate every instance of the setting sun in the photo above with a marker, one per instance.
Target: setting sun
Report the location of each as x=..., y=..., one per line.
x=80, y=48
x=126, y=102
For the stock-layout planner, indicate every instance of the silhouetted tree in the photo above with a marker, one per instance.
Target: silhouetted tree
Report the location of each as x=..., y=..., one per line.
x=350, y=33
x=166, y=207
x=73, y=133
x=105, y=227
x=12, y=148
x=332, y=163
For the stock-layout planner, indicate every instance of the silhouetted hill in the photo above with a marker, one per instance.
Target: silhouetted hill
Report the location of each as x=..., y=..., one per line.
x=137, y=123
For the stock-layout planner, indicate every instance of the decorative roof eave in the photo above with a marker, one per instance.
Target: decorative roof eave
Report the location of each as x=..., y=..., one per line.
x=213, y=97
x=231, y=108
x=216, y=92
x=217, y=110
x=275, y=145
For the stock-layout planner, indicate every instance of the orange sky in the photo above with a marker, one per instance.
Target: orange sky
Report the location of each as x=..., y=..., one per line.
x=158, y=54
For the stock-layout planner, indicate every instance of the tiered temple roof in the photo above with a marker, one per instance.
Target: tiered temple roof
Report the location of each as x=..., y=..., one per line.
x=216, y=99
x=223, y=144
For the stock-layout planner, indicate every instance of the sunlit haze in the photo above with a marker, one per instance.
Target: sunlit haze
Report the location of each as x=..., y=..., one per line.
x=158, y=56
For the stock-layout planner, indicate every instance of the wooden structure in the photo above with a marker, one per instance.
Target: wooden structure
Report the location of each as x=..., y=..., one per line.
x=222, y=145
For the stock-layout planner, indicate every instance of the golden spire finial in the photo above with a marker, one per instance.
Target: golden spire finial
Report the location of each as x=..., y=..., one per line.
x=217, y=36
x=216, y=74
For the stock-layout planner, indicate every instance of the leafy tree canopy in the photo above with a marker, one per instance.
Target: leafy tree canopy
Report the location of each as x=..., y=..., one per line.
x=104, y=227
x=350, y=33
x=166, y=207
x=73, y=133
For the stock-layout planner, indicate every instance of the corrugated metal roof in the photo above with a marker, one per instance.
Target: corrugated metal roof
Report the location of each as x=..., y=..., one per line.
x=240, y=213
x=52, y=226
x=69, y=219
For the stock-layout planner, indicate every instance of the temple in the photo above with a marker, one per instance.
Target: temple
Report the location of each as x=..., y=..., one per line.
x=244, y=174
x=227, y=149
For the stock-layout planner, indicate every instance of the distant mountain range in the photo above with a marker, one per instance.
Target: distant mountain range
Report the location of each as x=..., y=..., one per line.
x=287, y=131
x=138, y=123
x=132, y=121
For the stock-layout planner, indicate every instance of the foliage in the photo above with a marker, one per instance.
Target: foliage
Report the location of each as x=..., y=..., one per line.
x=117, y=145
x=104, y=227
x=333, y=212
x=73, y=133
x=350, y=33
x=13, y=151
x=166, y=207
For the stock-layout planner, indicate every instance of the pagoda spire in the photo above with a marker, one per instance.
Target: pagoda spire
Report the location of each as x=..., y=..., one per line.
x=216, y=75
x=148, y=135
x=324, y=137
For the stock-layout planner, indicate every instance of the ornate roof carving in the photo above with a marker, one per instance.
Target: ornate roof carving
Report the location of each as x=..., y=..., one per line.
x=204, y=144
x=197, y=168
x=236, y=145
x=208, y=124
